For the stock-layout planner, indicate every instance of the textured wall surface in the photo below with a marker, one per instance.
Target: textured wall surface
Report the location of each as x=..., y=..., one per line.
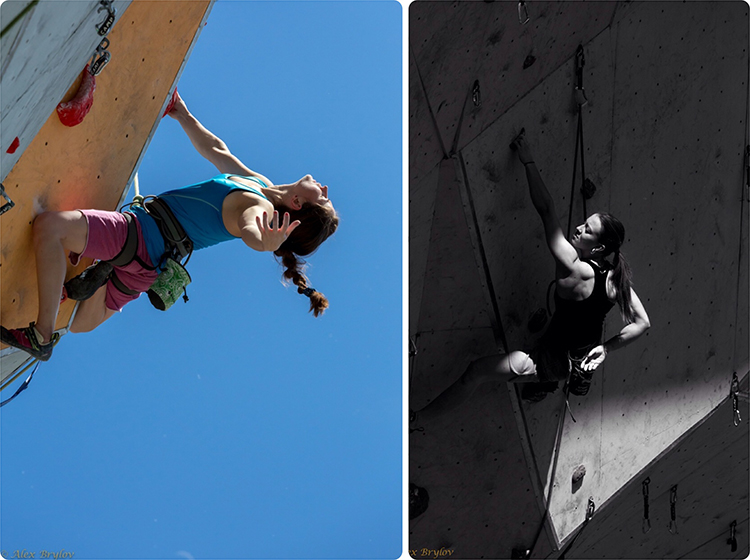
x=665, y=130
x=89, y=165
x=43, y=53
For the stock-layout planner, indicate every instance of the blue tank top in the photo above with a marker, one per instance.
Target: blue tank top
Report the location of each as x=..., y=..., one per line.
x=198, y=209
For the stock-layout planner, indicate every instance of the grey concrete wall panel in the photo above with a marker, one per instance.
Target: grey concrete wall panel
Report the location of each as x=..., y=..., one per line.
x=425, y=149
x=421, y=209
x=709, y=465
x=665, y=131
x=36, y=77
x=484, y=41
x=453, y=326
x=473, y=469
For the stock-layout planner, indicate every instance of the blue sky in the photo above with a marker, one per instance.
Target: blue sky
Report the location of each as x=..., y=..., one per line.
x=237, y=425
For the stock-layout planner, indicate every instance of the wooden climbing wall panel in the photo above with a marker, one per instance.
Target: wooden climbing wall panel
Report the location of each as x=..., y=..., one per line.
x=91, y=165
x=665, y=130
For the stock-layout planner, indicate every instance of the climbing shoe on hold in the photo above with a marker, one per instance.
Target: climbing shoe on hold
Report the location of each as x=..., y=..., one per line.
x=87, y=282
x=26, y=340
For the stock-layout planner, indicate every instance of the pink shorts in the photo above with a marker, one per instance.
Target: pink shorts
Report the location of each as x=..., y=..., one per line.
x=106, y=237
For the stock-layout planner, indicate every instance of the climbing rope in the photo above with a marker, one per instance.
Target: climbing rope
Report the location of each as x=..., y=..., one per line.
x=589, y=515
x=24, y=385
x=587, y=187
x=555, y=457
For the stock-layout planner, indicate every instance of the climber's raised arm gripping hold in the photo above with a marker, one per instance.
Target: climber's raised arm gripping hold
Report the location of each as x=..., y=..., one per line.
x=587, y=286
x=291, y=220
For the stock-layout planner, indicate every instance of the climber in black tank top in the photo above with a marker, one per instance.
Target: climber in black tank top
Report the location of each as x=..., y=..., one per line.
x=587, y=286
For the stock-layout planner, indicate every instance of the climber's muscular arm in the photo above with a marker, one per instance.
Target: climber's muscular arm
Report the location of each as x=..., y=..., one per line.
x=210, y=146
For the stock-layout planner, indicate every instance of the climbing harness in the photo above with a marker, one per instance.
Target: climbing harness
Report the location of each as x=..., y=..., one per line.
x=34, y=362
x=173, y=278
x=8, y=205
x=646, y=527
x=734, y=391
x=673, y=510
x=590, y=509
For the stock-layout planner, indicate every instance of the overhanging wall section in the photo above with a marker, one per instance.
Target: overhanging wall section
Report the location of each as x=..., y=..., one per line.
x=91, y=164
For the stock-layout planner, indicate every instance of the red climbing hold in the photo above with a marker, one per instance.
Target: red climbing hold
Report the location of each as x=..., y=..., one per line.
x=73, y=112
x=14, y=146
x=171, y=103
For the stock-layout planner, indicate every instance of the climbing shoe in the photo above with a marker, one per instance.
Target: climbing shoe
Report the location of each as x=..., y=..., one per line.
x=26, y=340
x=535, y=392
x=580, y=381
x=87, y=282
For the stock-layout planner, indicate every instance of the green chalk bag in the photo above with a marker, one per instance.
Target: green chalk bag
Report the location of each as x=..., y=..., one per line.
x=169, y=285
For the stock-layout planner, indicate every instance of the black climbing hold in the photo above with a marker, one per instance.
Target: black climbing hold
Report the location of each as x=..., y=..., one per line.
x=588, y=189
x=577, y=479
x=531, y=59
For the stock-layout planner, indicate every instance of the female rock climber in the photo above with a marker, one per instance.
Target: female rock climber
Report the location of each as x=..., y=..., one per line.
x=239, y=203
x=587, y=287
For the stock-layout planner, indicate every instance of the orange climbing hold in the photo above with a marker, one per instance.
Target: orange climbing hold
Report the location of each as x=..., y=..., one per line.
x=74, y=111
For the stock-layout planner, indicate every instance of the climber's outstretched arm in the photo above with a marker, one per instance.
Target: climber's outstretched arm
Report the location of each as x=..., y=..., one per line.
x=564, y=253
x=210, y=146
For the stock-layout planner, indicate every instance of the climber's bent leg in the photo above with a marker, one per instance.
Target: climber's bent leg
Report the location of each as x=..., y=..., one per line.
x=92, y=312
x=515, y=366
x=55, y=235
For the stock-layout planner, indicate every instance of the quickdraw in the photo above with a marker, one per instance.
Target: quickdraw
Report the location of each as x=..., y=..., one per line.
x=646, y=527
x=673, y=510
x=476, y=95
x=734, y=391
x=523, y=12
x=732, y=540
x=104, y=27
x=8, y=205
x=101, y=58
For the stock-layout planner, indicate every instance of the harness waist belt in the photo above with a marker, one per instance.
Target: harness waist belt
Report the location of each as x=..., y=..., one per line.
x=171, y=229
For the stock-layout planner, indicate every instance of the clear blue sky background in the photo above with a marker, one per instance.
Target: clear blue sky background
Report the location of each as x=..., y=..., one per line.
x=237, y=425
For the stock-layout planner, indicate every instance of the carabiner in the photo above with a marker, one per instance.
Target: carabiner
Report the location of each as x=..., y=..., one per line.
x=590, y=508
x=98, y=64
x=104, y=27
x=523, y=12
x=8, y=205
x=476, y=94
